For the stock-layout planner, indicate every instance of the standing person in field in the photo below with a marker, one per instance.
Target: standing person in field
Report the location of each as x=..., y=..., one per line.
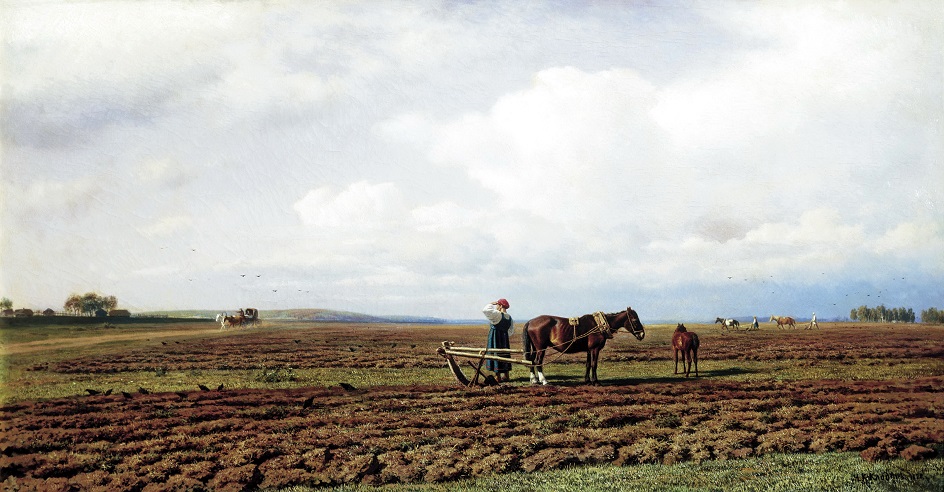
x=755, y=325
x=502, y=326
x=813, y=323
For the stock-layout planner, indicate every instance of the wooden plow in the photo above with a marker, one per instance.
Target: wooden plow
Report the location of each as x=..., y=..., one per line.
x=449, y=352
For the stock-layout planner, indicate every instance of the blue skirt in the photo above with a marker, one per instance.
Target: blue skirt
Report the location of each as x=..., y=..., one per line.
x=498, y=338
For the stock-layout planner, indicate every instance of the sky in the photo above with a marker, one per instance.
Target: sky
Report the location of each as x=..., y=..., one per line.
x=686, y=159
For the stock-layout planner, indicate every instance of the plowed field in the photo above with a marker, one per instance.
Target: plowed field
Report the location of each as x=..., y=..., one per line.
x=413, y=430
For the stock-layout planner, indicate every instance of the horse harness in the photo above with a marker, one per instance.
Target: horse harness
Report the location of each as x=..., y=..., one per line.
x=602, y=326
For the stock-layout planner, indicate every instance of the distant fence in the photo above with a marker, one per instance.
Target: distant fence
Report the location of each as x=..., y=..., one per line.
x=93, y=320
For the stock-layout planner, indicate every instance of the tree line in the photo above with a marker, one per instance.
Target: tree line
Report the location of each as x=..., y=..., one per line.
x=932, y=315
x=881, y=314
x=88, y=303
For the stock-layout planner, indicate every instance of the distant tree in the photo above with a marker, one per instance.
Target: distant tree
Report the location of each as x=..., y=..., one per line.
x=91, y=302
x=932, y=315
x=6, y=303
x=882, y=314
x=73, y=304
x=109, y=303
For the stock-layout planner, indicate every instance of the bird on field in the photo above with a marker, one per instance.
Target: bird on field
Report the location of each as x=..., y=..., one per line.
x=297, y=341
x=163, y=343
x=181, y=394
x=347, y=387
x=413, y=346
x=92, y=392
x=126, y=394
x=108, y=392
x=308, y=401
x=203, y=387
x=352, y=349
x=220, y=387
x=143, y=391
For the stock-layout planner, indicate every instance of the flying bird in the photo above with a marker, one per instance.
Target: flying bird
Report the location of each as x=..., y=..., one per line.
x=243, y=275
x=308, y=401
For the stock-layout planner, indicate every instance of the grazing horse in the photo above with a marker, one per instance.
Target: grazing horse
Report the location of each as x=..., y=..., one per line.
x=784, y=320
x=588, y=333
x=728, y=323
x=687, y=343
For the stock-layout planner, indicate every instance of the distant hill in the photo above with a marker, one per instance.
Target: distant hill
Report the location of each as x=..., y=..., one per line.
x=309, y=315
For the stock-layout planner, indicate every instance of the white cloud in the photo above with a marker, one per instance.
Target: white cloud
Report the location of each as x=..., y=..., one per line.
x=167, y=227
x=362, y=206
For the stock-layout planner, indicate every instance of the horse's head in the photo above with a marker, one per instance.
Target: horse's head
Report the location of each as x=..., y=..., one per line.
x=680, y=328
x=719, y=320
x=633, y=325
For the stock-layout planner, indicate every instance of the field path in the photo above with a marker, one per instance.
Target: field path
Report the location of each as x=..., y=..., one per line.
x=73, y=342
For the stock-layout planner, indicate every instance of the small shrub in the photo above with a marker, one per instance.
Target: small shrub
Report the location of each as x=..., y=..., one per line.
x=668, y=421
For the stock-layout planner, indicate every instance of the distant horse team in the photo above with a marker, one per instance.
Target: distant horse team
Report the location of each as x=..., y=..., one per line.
x=248, y=316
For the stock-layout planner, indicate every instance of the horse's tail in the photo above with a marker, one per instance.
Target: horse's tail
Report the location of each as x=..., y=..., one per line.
x=526, y=345
x=695, y=342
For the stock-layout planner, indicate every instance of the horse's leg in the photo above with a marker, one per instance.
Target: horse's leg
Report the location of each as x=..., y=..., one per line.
x=586, y=374
x=539, y=364
x=676, y=360
x=695, y=358
x=596, y=362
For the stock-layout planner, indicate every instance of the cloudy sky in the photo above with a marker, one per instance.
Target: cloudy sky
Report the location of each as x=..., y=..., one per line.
x=425, y=158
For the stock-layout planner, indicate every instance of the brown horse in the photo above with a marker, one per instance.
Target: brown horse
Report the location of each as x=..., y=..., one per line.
x=232, y=321
x=784, y=321
x=589, y=335
x=687, y=343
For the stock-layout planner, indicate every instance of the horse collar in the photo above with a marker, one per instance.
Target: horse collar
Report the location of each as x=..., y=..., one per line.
x=602, y=323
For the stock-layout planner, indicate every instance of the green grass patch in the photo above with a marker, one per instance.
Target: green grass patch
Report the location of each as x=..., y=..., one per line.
x=785, y=472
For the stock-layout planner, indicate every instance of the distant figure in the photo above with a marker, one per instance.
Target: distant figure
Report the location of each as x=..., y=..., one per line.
x=755, y=325
x=502, y=326
x=813, y=323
